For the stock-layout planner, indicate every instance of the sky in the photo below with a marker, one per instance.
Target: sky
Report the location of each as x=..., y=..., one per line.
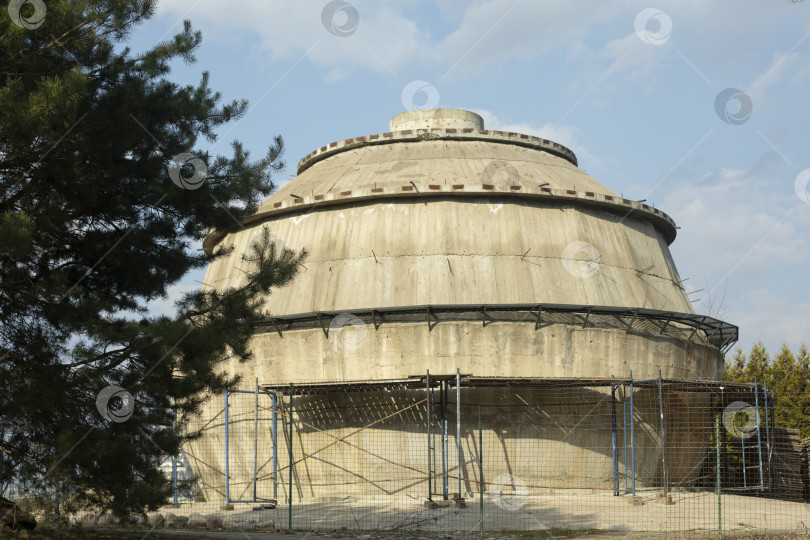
x=699, y=107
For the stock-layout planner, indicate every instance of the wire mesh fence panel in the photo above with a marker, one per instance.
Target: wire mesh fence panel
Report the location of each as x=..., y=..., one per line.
x=460, y=453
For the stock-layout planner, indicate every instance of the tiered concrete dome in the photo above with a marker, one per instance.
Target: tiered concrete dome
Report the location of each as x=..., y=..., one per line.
x=440, y=245
x=440, y=211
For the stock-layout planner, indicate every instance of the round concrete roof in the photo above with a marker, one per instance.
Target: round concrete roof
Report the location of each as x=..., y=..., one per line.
x=441, y=153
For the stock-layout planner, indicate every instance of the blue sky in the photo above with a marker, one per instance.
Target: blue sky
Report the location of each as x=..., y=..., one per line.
x=631, y=87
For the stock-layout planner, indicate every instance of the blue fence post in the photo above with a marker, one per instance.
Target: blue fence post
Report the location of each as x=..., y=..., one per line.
x=632, y=437
x=759, y=438
x=275, y=445
x=624, y=432
x=256, y=440
x=767, y=429
x=742, y=450
x=174, y=458
x=227, y=463
x=663, y=433
x=613, y=440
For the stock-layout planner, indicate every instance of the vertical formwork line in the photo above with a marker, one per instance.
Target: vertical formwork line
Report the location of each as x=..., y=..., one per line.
x=256, y=441
x=613, y=440
x=458, y=427
x=227, y=461
x=428, y=395
x=275, y=445
x=663, y=433
x=289, y=508
x=632, y=437
x=759, y=438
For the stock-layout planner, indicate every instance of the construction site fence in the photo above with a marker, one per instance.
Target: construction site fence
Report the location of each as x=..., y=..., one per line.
x=454, y=452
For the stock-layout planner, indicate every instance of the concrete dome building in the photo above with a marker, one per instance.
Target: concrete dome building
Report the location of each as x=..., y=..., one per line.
x=443, y=246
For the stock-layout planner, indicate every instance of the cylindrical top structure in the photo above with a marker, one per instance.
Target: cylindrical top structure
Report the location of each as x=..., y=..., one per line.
x=436, y=119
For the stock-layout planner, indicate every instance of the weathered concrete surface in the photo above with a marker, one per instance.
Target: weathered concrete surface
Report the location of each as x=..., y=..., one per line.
x=498, y=350
x=407, y=253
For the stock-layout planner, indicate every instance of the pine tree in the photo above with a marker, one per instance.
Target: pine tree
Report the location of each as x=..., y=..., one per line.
x=787, y=378
x=734, y=372
x=757, y=366
x=801, y=402
x=103, y=200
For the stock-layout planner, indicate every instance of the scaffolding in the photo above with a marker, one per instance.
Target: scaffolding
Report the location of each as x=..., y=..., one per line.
x=449, y=439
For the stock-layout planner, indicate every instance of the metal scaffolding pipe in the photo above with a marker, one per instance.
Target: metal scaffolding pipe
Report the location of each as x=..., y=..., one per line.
x=428, y=397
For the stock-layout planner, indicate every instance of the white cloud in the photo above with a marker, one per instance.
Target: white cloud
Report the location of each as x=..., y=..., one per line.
x=493, y=31
x=770, y=316
x=384, y=41
x=743, y=240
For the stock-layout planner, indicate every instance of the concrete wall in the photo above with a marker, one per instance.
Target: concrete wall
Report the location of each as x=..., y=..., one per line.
x=462, y=251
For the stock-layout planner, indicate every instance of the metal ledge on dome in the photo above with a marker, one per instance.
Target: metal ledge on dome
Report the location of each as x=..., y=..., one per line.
x=687, y=326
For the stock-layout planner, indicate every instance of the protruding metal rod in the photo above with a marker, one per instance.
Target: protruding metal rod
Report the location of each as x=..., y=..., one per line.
x=289, y=509
x=663, y=433
x=275, y=445
x=632, y=437
x=458, y=426
x=759, y=438
x=227, y=464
